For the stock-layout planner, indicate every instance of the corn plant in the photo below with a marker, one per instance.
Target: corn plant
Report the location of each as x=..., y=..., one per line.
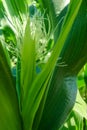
x=41, y=93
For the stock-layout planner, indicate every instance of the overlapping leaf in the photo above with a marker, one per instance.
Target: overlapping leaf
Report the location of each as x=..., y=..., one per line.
x=37, y=90
x=9, y=108
x=39, y=94
x=74, y=60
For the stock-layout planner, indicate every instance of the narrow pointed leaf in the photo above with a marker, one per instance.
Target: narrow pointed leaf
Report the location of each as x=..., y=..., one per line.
x=9, y=108
x=60, y=100
x=30, y=107
x=27, y=61
x=74, y=60
x=75, y=56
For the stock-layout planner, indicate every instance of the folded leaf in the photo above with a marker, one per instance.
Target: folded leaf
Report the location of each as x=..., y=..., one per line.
x=60, y=100
x=39, y=85
x=73, y=55
x=74, y=51
x=9, y=108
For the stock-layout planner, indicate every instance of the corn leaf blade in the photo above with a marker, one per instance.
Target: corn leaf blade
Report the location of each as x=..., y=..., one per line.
x=9, y=108
x=70, y=68
x=36, y=93
x=27, y=61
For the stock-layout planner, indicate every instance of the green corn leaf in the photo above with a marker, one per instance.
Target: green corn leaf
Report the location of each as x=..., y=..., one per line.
x=1, y=7
x=18, y=82
x=39, y=112
x=30, y=110
x=72, y=63
x=9, y=108
x=85, y=74
x=60, y=100
x=30, y=107
x=70, y=68
x=27, y=61
x=76, y=44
